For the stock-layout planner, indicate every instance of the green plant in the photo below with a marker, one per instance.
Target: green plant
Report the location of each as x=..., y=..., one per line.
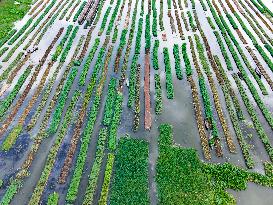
x=130, y=179
x=176, y=54
x=169, y=81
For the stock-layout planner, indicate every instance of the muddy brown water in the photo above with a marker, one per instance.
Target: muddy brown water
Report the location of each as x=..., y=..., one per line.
x=178, y=112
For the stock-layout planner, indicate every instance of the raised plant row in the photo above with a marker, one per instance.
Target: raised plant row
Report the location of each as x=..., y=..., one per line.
x=251, y=87
x=62, y=101
x=69, y=44
x=104, y=20
x=3, y=51
x=191, y=21
x=26, y=35
x=61, y=44
x=7, y=37
x=6, y=103
x=230, y=96
x=107, y=179
x=147, y=96
x=51, y=158
x=179, y=25
x=169, y=81
x=158, y=95
x=177, y=62
x=22, y=98
x=252, y=112
x=223, y=50
x=111, y=95
x=154, y=25
x=82, y=156
x=171, y=21
x=113, y=17
x=20, y=32
x=186, y=60
x=260, y=66
x=12, y=137
x=137, y=100
x=147, y=33
x=161, y=24
x=96, y=167
x=88, y=61
x=112, y=143
x=216, y=98
x=56, y=93
x=53, y=199
x=122, y=43
x=155, y=55
x=76, y=132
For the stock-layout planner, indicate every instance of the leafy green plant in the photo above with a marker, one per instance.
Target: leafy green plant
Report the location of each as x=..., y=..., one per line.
x=130, y=179
x=111, y=95
x=186, y=60
x=158, y=95
x=177, y=62
x=169, y=81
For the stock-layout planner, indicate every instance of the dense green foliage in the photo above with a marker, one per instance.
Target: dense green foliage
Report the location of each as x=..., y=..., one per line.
x=111, y=95
x=147, y=32
x=115, y=122
x=104, y=20
x=158, y=95
x=76, y=16
x=82, y=156
x=183, y=179
x=223, y=50
x=9, y=13
x=53, y=199
x=177, y=62
x=107, y=179
x=210, y=23
x=62, y=101
x=154, y=25
x=6, y=103
x=208, y=106
x=69, y=44
x=130, y=180
x=20, y=32
x=132, y=81
x=88, y=61
x=155, y=55
x=169, y=80
x=96, y=168
x=186, y=60
x=61, y=44
x=113, y=17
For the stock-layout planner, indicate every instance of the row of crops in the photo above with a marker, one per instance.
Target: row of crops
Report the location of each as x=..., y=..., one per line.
x=76, y=76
